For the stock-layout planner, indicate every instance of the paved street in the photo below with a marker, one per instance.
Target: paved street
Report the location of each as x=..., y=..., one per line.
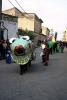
x=42, y=83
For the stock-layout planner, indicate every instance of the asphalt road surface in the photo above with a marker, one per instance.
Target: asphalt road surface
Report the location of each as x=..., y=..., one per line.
x=42, y=83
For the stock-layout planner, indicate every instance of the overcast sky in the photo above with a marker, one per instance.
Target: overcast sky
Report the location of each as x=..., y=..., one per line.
x=52, y=12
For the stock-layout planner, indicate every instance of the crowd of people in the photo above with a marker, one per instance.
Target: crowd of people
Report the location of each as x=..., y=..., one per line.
x=4, y=46
x=46, y=50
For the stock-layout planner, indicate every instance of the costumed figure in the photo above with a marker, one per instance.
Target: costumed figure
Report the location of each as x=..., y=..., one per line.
x=22, y=52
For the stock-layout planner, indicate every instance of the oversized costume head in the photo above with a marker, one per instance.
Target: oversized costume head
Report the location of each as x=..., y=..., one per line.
x=21, y=50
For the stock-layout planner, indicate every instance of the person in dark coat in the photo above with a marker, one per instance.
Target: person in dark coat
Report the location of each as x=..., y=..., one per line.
x=45, y=55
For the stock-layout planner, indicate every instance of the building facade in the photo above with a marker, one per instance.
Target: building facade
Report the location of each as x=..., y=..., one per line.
x=45, y=31
x=9, y=26
x=26, y=21
x=65, y=36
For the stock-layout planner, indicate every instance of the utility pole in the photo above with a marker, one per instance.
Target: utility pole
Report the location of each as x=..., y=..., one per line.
x=0, y=15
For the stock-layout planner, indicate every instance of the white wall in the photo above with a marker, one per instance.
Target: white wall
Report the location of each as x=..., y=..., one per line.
x=12, y=29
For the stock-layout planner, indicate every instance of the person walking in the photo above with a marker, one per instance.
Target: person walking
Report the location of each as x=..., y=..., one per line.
x=46, y=55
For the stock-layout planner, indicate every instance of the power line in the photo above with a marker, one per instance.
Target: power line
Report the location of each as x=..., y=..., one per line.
x=17, y=8
x=22, y=8
x=12, y=4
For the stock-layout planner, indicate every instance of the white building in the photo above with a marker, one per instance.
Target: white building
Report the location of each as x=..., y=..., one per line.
x=9, y=26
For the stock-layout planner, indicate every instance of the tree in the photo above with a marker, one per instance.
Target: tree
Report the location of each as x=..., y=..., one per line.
x=30, y=34
x=20, y=32
x=25, y=32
